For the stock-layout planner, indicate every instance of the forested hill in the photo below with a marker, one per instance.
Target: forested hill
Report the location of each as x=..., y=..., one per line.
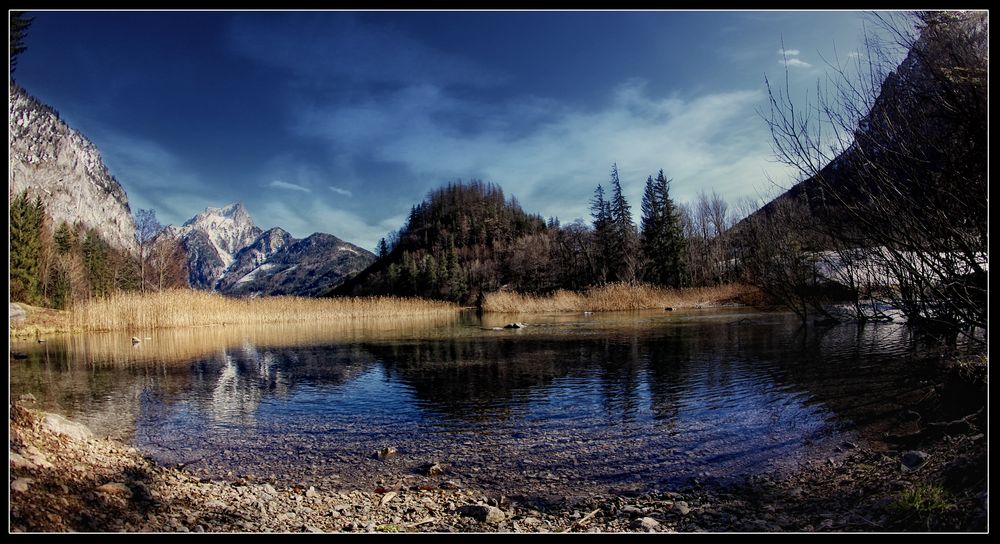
x=463, y=240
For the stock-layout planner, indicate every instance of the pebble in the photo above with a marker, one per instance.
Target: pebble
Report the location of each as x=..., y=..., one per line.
x=312, y=493
x=20, y=484
x=115, y=488
x=388, y=451
x=433, y=469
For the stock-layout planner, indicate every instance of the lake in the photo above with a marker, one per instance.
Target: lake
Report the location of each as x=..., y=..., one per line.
x=571, y=404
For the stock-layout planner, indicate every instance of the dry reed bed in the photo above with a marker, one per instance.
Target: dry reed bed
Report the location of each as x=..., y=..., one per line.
x=190, y=308
x=180, y=344
x=618, y=297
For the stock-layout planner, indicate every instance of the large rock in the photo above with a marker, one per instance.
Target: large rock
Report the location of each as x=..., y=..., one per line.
x=483, y=513
x=60, y=425
x=17, y=314
x=645, y=524
x=913, y=460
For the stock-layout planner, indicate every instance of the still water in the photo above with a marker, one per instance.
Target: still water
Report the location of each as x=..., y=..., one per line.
x=604, y=402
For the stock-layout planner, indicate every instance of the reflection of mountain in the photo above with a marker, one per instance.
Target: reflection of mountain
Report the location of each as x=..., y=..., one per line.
x=231, y=387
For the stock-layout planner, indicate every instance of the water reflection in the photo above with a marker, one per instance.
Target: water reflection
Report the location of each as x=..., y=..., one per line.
x=621, y=399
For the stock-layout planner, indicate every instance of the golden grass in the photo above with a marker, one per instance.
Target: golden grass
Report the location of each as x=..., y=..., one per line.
x=40, y=322
x=619, y=297
x=190, y=308
x=181, y=345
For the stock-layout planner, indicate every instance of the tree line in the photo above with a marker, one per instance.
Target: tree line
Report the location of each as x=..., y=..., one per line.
x=467, y=239
x=56, y=264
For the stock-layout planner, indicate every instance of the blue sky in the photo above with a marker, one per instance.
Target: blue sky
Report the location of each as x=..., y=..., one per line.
x=339, y=122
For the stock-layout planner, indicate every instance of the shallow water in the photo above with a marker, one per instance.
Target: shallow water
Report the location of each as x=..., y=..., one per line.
x=570, y=404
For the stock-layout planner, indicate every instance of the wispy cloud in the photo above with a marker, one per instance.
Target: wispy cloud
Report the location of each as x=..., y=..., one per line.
x=553, y=165
x=278, y=184
x=340, y=191
x=794, y=62
x=789, y=57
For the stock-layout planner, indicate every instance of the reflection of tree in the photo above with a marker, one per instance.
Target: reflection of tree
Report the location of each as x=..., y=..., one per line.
x=669, y=363
x=618, y=364
x=474, y=379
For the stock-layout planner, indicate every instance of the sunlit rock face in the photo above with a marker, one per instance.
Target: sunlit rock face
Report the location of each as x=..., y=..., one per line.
x=50, y=159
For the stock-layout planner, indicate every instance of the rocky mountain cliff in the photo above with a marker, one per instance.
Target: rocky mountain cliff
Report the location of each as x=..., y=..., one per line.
x=228, y=253
x=211, y=238
x=54, y=161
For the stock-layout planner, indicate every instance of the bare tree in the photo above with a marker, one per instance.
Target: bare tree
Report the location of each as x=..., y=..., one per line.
x=895, y=162
x=167, y=263
x=146, y=229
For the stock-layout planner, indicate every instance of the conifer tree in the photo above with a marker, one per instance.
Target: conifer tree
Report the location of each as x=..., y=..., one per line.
x=27, y=218
x=623, y=259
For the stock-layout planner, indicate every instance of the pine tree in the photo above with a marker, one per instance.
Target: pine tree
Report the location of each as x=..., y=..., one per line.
x=600, y=210
x=673, y=271
x=623, y=256
x=27, y=218
x=95, y=260
x=651, y=232
x=383, y=248
x=65, y=238
x=19, y=23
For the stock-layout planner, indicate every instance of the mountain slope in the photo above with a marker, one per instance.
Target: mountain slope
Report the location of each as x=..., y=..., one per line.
x=54, y=161
x=307, y=267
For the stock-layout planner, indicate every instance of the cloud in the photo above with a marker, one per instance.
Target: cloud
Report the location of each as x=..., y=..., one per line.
x=794, y=62
x=788, y=58
x=340, y=191
x=553, y=157
x=278, y=184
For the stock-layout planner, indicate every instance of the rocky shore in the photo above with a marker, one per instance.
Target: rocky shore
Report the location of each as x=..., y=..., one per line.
x=65, y=479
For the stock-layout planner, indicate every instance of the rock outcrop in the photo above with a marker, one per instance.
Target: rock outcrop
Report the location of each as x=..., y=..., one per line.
x=50, y=159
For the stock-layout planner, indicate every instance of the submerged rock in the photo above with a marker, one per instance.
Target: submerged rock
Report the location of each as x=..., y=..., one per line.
x=515, y=325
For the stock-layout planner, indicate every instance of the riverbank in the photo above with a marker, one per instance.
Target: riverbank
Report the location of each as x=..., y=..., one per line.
x=143, y=312
x=64, y=479
x=622, y=297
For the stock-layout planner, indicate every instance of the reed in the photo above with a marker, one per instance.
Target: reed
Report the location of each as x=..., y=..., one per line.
x=190, y=308
x=619, y=297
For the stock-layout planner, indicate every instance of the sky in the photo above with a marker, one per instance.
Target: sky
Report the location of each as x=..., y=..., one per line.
x=339, y=122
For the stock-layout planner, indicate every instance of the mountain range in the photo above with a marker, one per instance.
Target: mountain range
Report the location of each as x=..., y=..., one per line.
x=224, y=250
x=227, y=252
